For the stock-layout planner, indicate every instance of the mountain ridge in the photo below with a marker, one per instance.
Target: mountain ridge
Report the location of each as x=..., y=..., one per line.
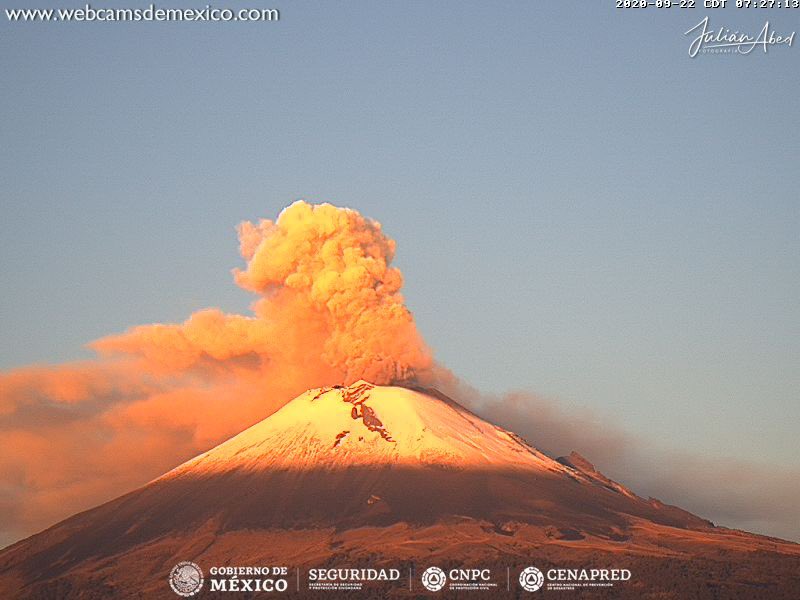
x=372, y=474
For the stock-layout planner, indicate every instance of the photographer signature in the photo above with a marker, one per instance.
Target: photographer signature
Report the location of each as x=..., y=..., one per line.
x=734, y=41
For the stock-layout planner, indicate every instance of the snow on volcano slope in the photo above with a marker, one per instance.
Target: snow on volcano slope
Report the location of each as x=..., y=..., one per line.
x=364, y=425
x=364, y=454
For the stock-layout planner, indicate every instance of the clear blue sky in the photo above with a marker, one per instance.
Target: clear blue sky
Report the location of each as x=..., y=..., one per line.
x=581, y=209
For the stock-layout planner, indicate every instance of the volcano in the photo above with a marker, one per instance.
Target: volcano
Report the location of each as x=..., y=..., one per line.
x=369, y=476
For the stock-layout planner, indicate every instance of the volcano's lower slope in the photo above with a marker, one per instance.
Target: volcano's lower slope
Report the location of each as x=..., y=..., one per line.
x=371, y=476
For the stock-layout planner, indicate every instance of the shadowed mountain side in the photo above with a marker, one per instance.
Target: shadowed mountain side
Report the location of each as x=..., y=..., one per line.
x=339, y=499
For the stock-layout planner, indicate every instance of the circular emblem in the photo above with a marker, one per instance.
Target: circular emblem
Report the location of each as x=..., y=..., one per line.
x=434, y=579
x=531, y=579
x=186, y=579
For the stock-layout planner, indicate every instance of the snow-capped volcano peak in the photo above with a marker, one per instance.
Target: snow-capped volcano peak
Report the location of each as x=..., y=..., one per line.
x=361, y=473
x=363, y=424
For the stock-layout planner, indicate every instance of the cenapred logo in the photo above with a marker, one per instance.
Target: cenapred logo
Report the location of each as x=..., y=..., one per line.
x=531, y=579
x=186, y=579
x=434, y=579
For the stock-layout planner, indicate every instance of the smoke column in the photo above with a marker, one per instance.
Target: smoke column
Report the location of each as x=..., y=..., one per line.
x=328, y=311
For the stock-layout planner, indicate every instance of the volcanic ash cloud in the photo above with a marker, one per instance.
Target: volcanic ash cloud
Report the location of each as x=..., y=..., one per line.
x=329, y=299
x=329, y=311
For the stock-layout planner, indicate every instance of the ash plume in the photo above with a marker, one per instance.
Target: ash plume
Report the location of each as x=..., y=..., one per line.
x=328, y=311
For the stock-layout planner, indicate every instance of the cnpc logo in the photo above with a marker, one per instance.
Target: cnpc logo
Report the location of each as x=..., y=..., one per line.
x=434, y=578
